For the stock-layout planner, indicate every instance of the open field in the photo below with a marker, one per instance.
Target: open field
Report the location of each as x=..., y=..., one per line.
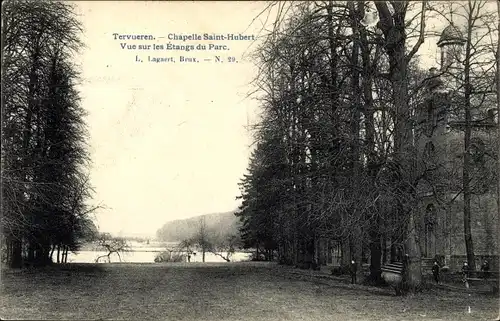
x=215, y=291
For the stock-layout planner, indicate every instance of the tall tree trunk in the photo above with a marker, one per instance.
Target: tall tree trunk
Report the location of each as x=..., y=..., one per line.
x=8, y=251
x=375, y=255
x=498, y=128
x=393, y=28
x=498, y=125
x=368, y=68
x=384, y=249
x=16, y=257
x=27, y=136
x=345, y=251
x=31, y=251
x=355, y=127
x=52, y=252
x=333, y=58
x=65, y=253
x=469, y=246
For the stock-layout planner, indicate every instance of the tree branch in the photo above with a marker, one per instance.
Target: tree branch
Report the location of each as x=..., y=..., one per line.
x=385, y=23
x=421, y=37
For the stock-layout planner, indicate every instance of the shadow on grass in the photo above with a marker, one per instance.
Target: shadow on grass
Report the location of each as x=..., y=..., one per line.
x=73, y=268
x=82, y=267
x=335, y=284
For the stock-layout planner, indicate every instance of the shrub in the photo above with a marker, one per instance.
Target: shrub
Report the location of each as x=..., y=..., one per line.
x=260, y=257
x=170, y=257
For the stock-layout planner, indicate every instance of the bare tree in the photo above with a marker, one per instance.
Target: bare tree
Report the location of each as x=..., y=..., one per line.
x=393, y=27
x=112, y=245
x=224, y=246
x=335, y=153
x=202, y=237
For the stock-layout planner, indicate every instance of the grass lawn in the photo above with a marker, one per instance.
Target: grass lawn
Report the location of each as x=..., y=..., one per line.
x=215, y=291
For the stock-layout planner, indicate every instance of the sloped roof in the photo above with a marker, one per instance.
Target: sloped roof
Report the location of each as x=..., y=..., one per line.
x=451, y=35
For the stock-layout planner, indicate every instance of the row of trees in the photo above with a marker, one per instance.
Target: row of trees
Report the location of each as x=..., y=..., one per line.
x=335, y=149
x=45, y=184
x=209, y=240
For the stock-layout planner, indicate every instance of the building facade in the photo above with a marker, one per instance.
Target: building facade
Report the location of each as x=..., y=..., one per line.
x=439, y=137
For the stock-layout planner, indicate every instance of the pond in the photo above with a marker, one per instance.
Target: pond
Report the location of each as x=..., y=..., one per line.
x=147, y=256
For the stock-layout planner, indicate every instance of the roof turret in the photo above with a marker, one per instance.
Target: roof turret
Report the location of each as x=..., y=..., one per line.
x=451, y=35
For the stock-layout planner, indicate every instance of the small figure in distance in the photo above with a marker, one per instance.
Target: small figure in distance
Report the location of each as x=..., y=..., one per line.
x=465, y=274
x=435, y=271
x=485, y=268
x=353, y=272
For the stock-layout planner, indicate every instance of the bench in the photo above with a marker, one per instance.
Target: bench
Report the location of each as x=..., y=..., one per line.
x=396, y=267
x=486, y=275
x=485, y=278
x=481, y=275
x=392, y=274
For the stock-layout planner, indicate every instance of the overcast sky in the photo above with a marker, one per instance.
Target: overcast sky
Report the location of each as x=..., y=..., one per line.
x=168, y=140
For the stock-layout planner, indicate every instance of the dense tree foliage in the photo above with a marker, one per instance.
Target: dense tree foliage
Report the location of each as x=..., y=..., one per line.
x=45, y=187
x=336, y=155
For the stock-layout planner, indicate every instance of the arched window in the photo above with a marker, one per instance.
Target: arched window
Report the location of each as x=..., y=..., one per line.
x=430, y=220
x=430, y=216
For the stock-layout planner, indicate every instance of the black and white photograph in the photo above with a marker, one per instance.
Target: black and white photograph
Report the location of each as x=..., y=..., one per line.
x=250, y=160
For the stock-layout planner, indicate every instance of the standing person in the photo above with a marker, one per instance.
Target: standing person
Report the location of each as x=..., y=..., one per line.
x=465, y=270
x=465, y=274
x=485, y=268
x=353, y=272
x=189, y=257
x=435, y=271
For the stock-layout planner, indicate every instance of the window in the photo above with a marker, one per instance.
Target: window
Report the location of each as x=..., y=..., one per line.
x=430, y=216
x=430, y=220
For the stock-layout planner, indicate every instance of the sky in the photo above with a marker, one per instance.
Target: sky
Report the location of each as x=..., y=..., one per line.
x=168, y=140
